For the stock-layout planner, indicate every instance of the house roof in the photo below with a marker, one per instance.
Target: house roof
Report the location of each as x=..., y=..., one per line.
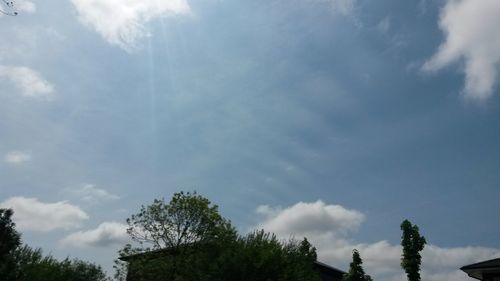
x=477, y=270
x=149, y=254
x=329, y=267
x=329, y=270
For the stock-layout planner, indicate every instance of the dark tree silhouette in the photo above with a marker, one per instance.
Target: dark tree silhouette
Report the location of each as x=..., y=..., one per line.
x=10, y=240
x=356, y=271
x=412, y=244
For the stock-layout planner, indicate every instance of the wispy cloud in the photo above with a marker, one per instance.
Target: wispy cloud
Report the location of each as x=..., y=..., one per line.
x=327, y=226
x=29, y=82
x=384, y=25
x=106, y=234
x=344, y=7
x=25, y=6
x=121, y=23
x=471, y=34
x=31, y=214
x=17, y=157
x=90, y=193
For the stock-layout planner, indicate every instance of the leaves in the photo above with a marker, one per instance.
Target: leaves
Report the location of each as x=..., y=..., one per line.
x=188, y=218
x=412, y=244
x=191, y=241
x=356, y=271
x=22, y=263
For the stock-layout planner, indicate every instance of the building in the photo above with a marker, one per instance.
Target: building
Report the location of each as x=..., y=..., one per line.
x=486, y=270
x=328, y=273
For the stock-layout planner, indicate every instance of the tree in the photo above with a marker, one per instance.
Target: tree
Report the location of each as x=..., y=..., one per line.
x=10, y=239
x=187, y=239
x=412, y=244
x=32, y=265
x=187, y=219
x=356, y=271
x=189, y=230
x=22, y=263
x=261, y=256
x=299, y=260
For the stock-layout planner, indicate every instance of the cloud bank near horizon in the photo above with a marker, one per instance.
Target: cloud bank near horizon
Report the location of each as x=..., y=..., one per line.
x=327, y=226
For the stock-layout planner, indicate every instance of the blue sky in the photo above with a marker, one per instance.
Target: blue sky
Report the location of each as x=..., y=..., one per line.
x=349, y=115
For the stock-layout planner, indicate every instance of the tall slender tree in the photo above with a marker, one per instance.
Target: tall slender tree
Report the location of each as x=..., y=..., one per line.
x=356, y=271
x=413, y=243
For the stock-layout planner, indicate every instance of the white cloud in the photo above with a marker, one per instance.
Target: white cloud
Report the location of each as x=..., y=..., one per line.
x=90, y=193
x=121, y=22
x=28, y=81
x=107, y=233
x=17, y=157
x=307, y=217
x=470, y=27
x=25, y=6
x=327, y=226
x=31, y=214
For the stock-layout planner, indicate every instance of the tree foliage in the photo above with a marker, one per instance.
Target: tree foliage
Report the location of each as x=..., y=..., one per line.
x=356, y=271
x=188, y=218
x=190, y=240
x=10, y=239
x=32, y=265
x=412, y=244
x=22, y=263
x=261, y=256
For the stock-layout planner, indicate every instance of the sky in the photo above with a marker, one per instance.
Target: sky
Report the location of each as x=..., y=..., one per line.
x=330, y=119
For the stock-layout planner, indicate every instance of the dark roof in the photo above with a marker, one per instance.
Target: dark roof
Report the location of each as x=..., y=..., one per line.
x=327, y=272
x=476, y=270
x=149, y=254
x=329, y=267
x=483, y=264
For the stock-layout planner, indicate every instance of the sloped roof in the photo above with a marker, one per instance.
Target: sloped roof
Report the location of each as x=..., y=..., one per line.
x=476, y=270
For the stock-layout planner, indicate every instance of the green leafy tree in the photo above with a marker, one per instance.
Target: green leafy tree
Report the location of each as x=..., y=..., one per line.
x=187, y=219
x=413, y=243
x=261, y=256
x=299, y=259
x=188, y=228
x=356, y=271
x=186, y=239
x=32, y=265
x=10, y=240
